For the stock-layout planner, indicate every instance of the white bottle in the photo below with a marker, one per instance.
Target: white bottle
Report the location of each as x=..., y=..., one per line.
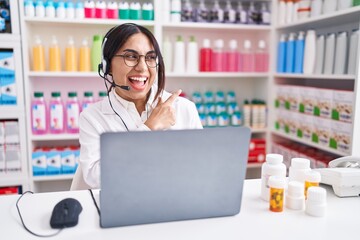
x=79, y=10
x=175, y=14
x=166, y=11
x=315, y=204
x=39, y=9
x=353, y=51
x=29, y=8
x=266, y=16
x=70, y=10
x=329, y=6
x=298, y=168
x=289, y=11
x=167, y=54
x=309, y=52
x=273, y=166
x=344, y=4
x=179, y=59
x=192, y=56
x=329, y=54
x=295, y=11
x=50, y=9
x=60, y=10
x=295, y=198
x=316, y=8
x=340, y=53
x=282, y=12
x=320, y=52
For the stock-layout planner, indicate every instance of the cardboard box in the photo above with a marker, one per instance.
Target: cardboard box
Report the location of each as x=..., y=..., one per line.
x=341, y=135
x=2, y=159
x=53, y=161
x=12, y=158
x=39, y=162
x=11, y=132
x=322, y=132
x=324, y=103
x=343, y=102
x=307, y=100
x=68, y=164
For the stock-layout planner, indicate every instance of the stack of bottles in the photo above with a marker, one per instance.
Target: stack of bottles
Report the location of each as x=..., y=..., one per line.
x=332, y=53
x=5, y=23
x=255, y=113
x=82, y=59
x=7, y=78
x=10, y=155
x=55, y=160
x=291, y=11
x=180, y=57
x=246, y=12
x=217, y=109
x=57, y=117
x=89, y=9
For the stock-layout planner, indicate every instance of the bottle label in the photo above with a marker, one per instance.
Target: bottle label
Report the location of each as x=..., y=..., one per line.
x=56, y=117
x=72, y=118
x=38, y=117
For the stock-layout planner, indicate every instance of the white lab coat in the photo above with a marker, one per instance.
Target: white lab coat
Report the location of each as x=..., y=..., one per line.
x=99, y=118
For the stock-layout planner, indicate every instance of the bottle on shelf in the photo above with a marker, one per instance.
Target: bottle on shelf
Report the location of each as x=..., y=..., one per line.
x=165, y=11
x=295, y=10
x=229, y=13
x=299, y=52
x=340, y=53
x=100, y=9
x=50, y=9
x=232, y=57
x=261, y=57
x=192, y=56
x=38, y=55
x=167, y=53
x=87, y=100
x=289, y=11
x=241, y=14
x=84, y=57
x=124, y=10
x=70, y=56
x=247, y=58
x=147, y=11
x=309, y=52
x=29, y=8
x=353, y=46
x=329, y=53
x=179, y=56
x=102, y=95
x=206, y=54
x=290, y=53
x=187, y=12
x=112, y=11
x=79, y=10
x=89, y=9
x=282, y=12
x=175, y=13
x=54, y=56
x=96, y=52
x=70, y=10
x=253, y=14
x=56, y=113
x=202, y=13
x=320, y=51
x=72, y=113
x=281, y=54
x=316, y=8
x=39, y=114
x=247, y=113
x=217, y=14
x=135, y=11
x=218, y=58
x=330, y=6
x=265, y=14
x=60, y=10
x=39, y=9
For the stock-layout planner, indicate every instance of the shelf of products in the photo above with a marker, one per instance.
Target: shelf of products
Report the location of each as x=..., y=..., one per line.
x=316, y=76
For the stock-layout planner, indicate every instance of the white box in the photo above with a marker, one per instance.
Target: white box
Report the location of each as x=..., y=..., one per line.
x=343, y=102
x=341, y=136
x=293, y=98
x=307, y=100
x=2, y=159
x=322, y=131
x=292, y=123
x=2, y=133
x=53, y=160
x=38, y=159
x=12, y=158
x=324, y=102
x=12, y=132
x=305, y=127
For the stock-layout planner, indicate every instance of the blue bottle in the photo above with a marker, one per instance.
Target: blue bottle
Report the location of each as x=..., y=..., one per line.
x=281, y=54
x=299, y=52
x=290, y=54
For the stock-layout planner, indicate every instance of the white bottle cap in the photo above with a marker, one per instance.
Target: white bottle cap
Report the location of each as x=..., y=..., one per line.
x=316, y=202
x=291, y=37
x=262, y=44
x=274, y=158
x=71, y=41
x=247, y=44
x=233, y=44
x=312, y=176
x=206, y=43
x=300, y=163
x=277, y=182
x=295, y=198
x=301, y=35
x=219, y=43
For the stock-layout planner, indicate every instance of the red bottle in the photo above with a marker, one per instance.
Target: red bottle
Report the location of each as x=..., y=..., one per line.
x=206, y=56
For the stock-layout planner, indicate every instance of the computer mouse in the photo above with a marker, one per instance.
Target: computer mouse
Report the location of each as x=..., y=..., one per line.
x=65, y=213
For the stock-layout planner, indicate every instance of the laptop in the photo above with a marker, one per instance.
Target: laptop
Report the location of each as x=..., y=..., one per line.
x=162, y=176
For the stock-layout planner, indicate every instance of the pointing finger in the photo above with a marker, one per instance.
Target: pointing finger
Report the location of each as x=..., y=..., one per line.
x=172, y=98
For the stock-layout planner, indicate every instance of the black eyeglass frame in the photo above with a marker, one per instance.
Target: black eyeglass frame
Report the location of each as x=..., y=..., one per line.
x=138, y=59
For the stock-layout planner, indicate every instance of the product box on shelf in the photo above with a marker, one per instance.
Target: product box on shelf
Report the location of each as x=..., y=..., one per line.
x=11, y=132
x=293, y=123
x=7, y=78
x=12, y=158
x=53, y=161
x=2, y=159
x=257, y=150
x=281, y=96
x=2, y=133
x=306, y=127
x=307, y=100
x=68, y=161
x=343, y=102
x=324, y=102
x=341, y=133
x=293, y=96
x=39, y=164
x=322, y=132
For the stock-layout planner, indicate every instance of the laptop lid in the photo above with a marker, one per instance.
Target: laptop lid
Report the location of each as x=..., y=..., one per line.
x=160, y=176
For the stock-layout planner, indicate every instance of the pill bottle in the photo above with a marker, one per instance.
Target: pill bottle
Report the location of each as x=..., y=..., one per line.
x=298, y=168
x=295, y=198
x=276, y=195
x=312, y=179
x=315, y=204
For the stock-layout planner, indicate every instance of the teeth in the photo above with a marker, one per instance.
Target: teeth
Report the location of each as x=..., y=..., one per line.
x=140, y=79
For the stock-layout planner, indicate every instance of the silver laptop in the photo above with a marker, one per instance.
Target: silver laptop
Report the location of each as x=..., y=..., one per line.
x=161, y=176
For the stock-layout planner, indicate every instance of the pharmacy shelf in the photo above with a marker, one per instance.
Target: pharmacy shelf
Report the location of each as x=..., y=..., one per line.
x=315, y=76
x=83, y=22
x=7, y=37
x=53, y=177
x=318, y=146
x=55, y=137
x=8, y=180
x=217, y=75
x=217, y=26
x=326, y=20
x=47, y=74
x=11, y=112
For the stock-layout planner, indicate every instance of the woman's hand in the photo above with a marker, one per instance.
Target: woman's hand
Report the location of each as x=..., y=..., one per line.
x=163, y=115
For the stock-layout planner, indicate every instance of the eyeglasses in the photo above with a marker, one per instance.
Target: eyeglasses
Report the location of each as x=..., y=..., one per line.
x=132, y=59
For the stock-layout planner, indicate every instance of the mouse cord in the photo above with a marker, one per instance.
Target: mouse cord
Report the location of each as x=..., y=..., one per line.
x=22, y=221
x=93, y=198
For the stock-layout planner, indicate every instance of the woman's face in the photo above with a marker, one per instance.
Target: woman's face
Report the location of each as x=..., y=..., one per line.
x=140, y=77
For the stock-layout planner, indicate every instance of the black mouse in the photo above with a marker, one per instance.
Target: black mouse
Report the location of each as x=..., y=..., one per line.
x=65, y=213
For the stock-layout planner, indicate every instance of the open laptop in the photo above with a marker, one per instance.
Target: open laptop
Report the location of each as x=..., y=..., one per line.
x=160, y=176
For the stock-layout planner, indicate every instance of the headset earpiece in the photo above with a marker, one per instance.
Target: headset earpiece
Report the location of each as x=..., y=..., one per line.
x=105, y=67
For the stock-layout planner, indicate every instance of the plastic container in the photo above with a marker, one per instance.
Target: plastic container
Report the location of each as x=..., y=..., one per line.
x=265, y=14
x=320, y=52
x=50, y=9
x=70, y=56
x=312, y=179
x=54, y=56
x=247, y=60
x=39, y=9
x=290, y=54
x=206, y=56
x=281, y=54
x=96, y=52
x=202, y=13
x=218, y=58
x=276, y=193
x=87, y=100
x=124, y=10
x=315, y=204
x=282, y=12
x=253, y=14
x=179, y=53
x=232, y=57
x=309, y=52
x=192, y=56
x=167, y=54
x=241, y=14
x=329, y=54
x=261, y=57
x=38, y=55
x=289, y=13
x=29, y=8
x=39, y=114
x=186, y=12
x=56, y=114
x=70, y=10
x=299, y=167
x=229, y=13
x=72, y=113
x=316, y=8
x=135, y=11
x=112, y=11
x=353, y=51
x=273, y=166
x=84, y=57
x=341, y=53
x=299, y=53
x=89, y=9
x=147, y=11
x=100, y=9
x=295, y=198
x=60, y=10
x=330, y=6
x=247, y=113
x=217, y=13
x=79, y=10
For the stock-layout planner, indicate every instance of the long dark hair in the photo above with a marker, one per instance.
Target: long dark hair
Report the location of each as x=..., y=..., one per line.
x=117, y=36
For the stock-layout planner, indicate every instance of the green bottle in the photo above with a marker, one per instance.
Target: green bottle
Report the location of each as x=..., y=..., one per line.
x=96, y=52
x=356, y=2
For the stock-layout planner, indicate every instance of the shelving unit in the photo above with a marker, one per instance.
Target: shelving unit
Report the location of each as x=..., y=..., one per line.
x=344, y=20
x=12, y=42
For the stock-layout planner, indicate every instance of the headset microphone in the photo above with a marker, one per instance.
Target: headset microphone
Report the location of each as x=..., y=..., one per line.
x=127, y=88
x=113, y=84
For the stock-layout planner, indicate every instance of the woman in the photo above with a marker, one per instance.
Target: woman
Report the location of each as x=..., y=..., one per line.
x=136, y=101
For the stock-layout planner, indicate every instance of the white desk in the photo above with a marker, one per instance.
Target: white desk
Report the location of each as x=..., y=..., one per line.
x=255, y=221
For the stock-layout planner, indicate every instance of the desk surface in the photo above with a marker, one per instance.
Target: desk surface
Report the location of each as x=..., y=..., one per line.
x=255, y=221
